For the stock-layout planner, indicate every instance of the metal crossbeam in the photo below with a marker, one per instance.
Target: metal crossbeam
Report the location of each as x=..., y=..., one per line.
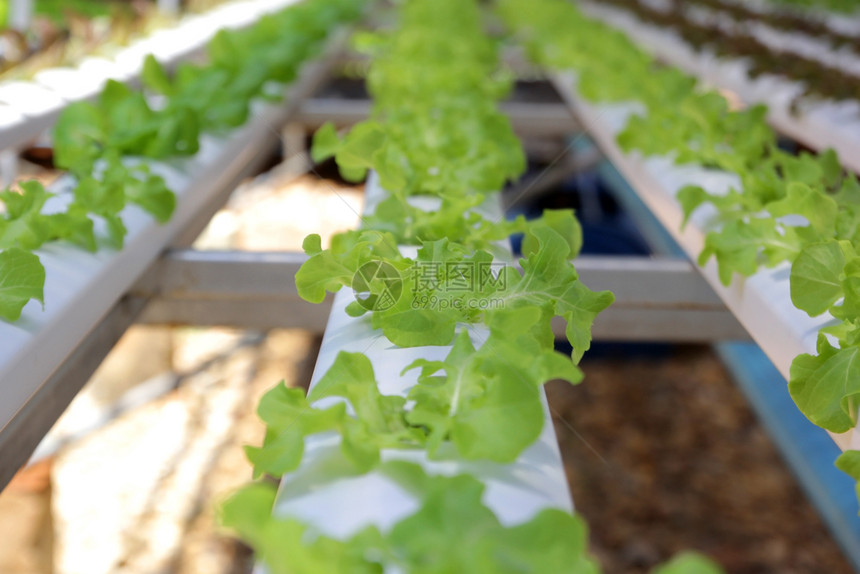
x=656, y=299
x=230, y=289
x=541, y=119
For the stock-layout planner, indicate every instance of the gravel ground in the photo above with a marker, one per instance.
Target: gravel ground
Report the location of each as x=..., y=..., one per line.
x=664, y=454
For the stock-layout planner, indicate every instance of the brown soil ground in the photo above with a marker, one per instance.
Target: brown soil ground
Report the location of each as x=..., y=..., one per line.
x=664, y=454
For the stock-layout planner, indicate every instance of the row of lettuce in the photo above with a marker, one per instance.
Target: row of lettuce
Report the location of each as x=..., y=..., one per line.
x=819, y=78
x=435, y=131
x=109, y=144
x=838, y=6
x=759, y=223
x=785, y=21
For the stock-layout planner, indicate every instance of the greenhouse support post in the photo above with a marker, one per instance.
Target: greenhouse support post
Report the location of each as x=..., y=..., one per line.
x=20, y=14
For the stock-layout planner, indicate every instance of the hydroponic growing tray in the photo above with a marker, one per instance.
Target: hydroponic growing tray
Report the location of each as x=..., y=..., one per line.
x=81, y=288
x=29, y=108
x=318, y=496
x=818, y=124
x=762, y=302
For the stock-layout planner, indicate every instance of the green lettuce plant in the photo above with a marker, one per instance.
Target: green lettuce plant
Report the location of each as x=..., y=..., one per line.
x=802, y=209
x=108, y=145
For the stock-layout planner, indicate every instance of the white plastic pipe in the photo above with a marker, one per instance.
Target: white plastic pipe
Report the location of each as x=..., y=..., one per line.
x=339, y=505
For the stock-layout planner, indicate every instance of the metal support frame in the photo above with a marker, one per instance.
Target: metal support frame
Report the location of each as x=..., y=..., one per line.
x=168, y=7
x=20, y=14
x=65, y=370
x=656, y=299
x=228, y=289
x=526, y=118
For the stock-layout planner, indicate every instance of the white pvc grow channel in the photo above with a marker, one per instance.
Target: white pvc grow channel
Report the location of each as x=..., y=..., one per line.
x=819, y=124
x=339, y=505
x=762, y=302
x=29, y=108
x=81, y=287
